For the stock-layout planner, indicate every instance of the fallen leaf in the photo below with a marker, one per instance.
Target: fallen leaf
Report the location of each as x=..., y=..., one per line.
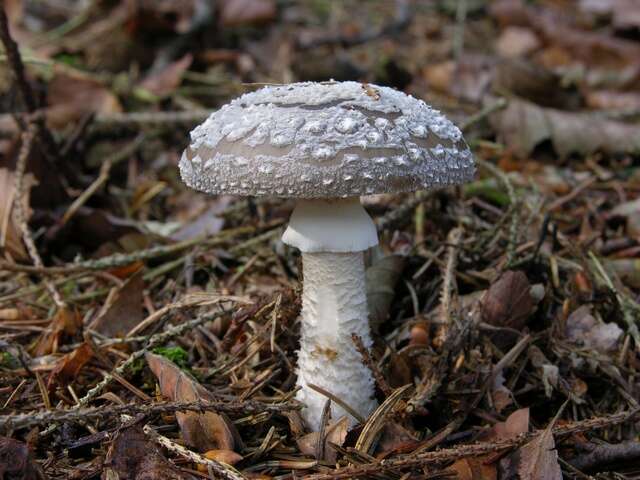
x=395, y=438
x=225, y=456
x=123, y=309
x=381, y=279
x=473, y=469
x=17, y=462
x=246, y=12
x=207, y=223
x=502, y=396
x=203, y=431
x=132, y=456
x=515, y=424
x=539, y=459
x=71, y=97
x=166, y=80
x=516, y=42
x=612, y=100
x=65, y=322
x=468, y=79
x=69, y=366
x=507, y=303
x=583, y=328
x=593, y=48
x=523, y=126
x=335, y=432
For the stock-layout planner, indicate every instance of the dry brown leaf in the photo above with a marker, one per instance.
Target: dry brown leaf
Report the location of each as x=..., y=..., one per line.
x=335, y=432
x=166, y=80
x=72, y=97
x=591, y=47
x=17, y=462
x=613, y=100
x=523, y=126
x=539, y=459
x=473, y=469
x=246, y=12
x=203, y=431
x=515, y=424
x=122, y=310
x=64, y=322
x=69, y=366
x=132, y=456
x=225, y=456
x=508, y=301
x=395, y=439
x=516, y=42
x=467, y=79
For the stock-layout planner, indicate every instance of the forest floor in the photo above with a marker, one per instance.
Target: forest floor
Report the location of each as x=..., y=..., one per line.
x=148, y=331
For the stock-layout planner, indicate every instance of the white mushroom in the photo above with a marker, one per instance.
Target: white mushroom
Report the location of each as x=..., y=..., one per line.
x=327, y=144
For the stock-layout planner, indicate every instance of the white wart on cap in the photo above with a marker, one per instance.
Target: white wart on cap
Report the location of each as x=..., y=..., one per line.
x=325, y=140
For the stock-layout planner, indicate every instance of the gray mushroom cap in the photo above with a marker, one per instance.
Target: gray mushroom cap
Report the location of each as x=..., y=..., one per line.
x=325, y=140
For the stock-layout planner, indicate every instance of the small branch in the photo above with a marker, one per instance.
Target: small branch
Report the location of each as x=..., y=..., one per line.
x=607, y=454
x=105, y=169
x=45, y=140
x=448, y=285
x=223, y=470
x=109, y=412
x=515, y=210
x=120, y=259
x=371, y=365
x=15, y=63
x=21, y=217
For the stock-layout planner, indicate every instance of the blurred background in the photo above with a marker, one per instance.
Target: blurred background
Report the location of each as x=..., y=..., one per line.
x=544, y=81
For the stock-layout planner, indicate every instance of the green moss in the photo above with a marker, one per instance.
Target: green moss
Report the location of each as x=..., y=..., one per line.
x=177, y=355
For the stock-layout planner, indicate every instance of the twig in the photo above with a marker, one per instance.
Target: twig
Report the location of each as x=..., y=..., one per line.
x=499, y=104
x=448, y=280
x=371, y=365
x=515, y=210
x=105, y=169
x=607, y=454
x=21, y=165
x=225, y=471
x=120, y=259
x=15, y=62
x=472, y=450
x=107, y=412
x=49, y=147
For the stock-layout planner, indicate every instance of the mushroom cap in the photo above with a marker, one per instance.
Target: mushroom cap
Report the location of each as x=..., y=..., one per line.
x=325, y=140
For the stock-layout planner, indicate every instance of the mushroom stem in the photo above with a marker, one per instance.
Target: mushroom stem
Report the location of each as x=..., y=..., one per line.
x=334, y=305
x=332, y=235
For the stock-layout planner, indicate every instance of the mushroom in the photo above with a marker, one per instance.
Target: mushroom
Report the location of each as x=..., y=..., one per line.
x=327, y=144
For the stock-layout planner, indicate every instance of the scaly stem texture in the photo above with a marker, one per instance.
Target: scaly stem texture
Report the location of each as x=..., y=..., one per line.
x=334, y=306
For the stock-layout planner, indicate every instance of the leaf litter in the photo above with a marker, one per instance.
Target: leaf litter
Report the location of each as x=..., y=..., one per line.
x=172, y=352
